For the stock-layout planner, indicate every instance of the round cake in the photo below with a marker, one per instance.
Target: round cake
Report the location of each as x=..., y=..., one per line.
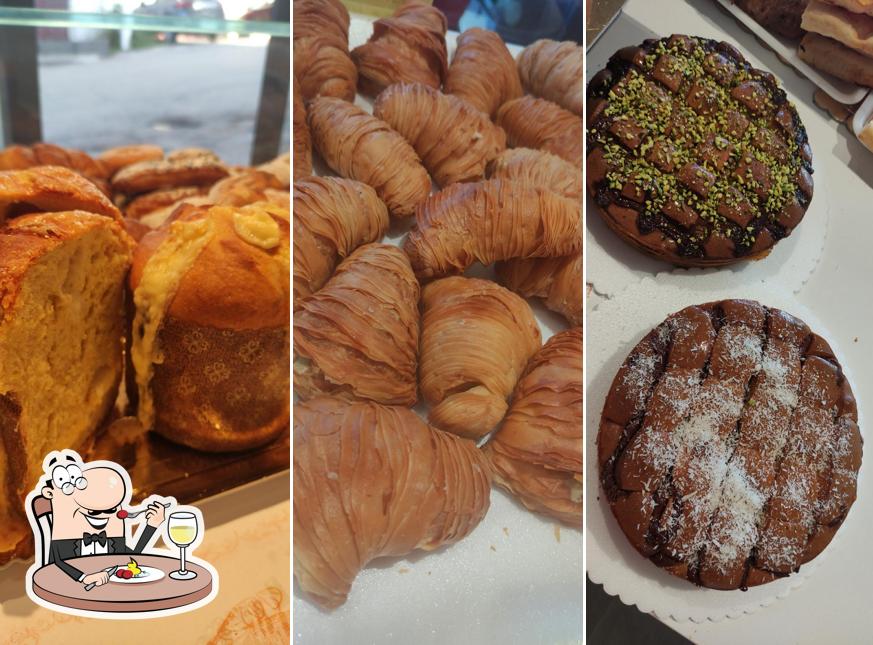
x=728, y=445
x=695, y=156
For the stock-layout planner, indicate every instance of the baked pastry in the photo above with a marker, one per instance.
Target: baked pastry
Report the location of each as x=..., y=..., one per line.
x=322, y=64
x=539, y=168
x=280, y=168
x=536, y=123
x=854, y=30
x=729, y=445
x=360, y=146
x=779, y=16
x=557, y=280
x=332, y=217
x=357, y=337
x=854, y=6
x=483, y=72
x=476, y=338
x=373, y=480
x=47, y=154
x=50, y=189
x=185, y=167
x=407, y=47
x=554, y=71
x=836, y=59
x=210, y=347
x=161, y=199
x=249, y=186
x=489, y=221
x=61, y=328
x=302, y=140
x=454, y=140
x=694, y=156
x=537, y=452
x=114, y=159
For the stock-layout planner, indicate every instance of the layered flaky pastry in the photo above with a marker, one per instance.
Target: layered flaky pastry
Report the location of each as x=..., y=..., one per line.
x=537, y=453
x=558, y=281
x=483, y=72
x=476, y=338
x=454, y=140
x=407, y=47
x=371, y=481
x=50, y=189
x=332, y=217
x=554, y=71
x=322, y=64
x=357, y=337
x=302, y=140
x=537, y=123
x=359, y=146
x=539, y=168
x=490, y=221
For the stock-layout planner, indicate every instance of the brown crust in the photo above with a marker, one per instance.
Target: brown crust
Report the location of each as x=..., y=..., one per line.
x=232, y=285
x=146, y=203
x=322, y=64
x=180, y=168
x=455, y=141
x=725, y=170
x=476, y=338
x=729, y=445
x=247, y=187
x=557, y=280
x=490, y=221
x=539, y=168
x=483, y=72
x=554, y=71
x=50, y=189
x=359, y=333
x=47, y=154
x=114, y=159
x=530, y=122
x=408, y=47
x=359, y=146
x=537, y=452
x=302, y=139
x=373, y=480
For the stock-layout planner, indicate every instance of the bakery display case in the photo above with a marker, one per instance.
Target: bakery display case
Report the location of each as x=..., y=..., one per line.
x=167, y=124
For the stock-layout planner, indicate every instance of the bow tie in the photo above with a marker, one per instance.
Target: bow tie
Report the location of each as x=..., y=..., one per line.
x=100, y=537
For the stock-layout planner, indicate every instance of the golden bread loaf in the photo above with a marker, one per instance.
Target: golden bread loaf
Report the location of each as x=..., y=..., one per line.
x=373, y=480
x=357, y=337
x=537, y=452
x=47, y=154
x=476, y=338
x=114, y=159
x=554, y=71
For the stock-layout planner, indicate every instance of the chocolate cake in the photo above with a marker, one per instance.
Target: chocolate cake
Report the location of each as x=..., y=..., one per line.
x=728, y=445
x=694, y=156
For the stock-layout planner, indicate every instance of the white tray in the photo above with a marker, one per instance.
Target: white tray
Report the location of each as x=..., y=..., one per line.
x=842, y=91
x=517, y=579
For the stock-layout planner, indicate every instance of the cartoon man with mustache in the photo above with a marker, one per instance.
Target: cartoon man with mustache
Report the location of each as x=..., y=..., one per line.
x=87, y=518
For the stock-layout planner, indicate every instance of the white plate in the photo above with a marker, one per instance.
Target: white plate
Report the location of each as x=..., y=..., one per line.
x=517, y=579
x=149, y=574
x=844, y=92
x=862, y=116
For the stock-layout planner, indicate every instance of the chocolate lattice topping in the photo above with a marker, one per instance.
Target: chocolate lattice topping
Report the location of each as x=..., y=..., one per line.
x=694, y=156
x=728, y=445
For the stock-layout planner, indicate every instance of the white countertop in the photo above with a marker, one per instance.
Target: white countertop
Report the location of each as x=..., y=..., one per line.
x=833, y=605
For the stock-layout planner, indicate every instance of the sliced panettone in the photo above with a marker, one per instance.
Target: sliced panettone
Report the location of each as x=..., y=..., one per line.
x=211, y=329
x=61, y=328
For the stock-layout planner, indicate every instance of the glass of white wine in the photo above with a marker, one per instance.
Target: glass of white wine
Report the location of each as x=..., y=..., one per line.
x=182, y=529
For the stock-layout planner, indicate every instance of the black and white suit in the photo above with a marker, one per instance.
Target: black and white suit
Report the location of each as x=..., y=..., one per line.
x=61, y=550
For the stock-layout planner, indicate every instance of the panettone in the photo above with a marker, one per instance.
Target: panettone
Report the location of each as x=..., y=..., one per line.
x=210, y=344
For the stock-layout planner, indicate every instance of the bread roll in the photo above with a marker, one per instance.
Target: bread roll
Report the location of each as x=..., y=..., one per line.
x=357, y=337
x=454, y=140
x=211, y=327
x=359, y=146
x=47, y=154
x=476, y=338
x=537, y=452
x=483, y=72
x=114, y=159
x=189, y=167
x=554, y=71
x=62, y=302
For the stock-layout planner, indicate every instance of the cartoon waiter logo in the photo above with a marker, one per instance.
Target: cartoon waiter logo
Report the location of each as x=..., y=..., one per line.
x=87, y=562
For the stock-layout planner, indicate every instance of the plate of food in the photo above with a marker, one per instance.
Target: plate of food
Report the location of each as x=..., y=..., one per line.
x=133, y=573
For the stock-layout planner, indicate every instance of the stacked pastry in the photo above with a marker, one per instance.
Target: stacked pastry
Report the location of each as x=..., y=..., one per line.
x=839, y=39
x=379, y=328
